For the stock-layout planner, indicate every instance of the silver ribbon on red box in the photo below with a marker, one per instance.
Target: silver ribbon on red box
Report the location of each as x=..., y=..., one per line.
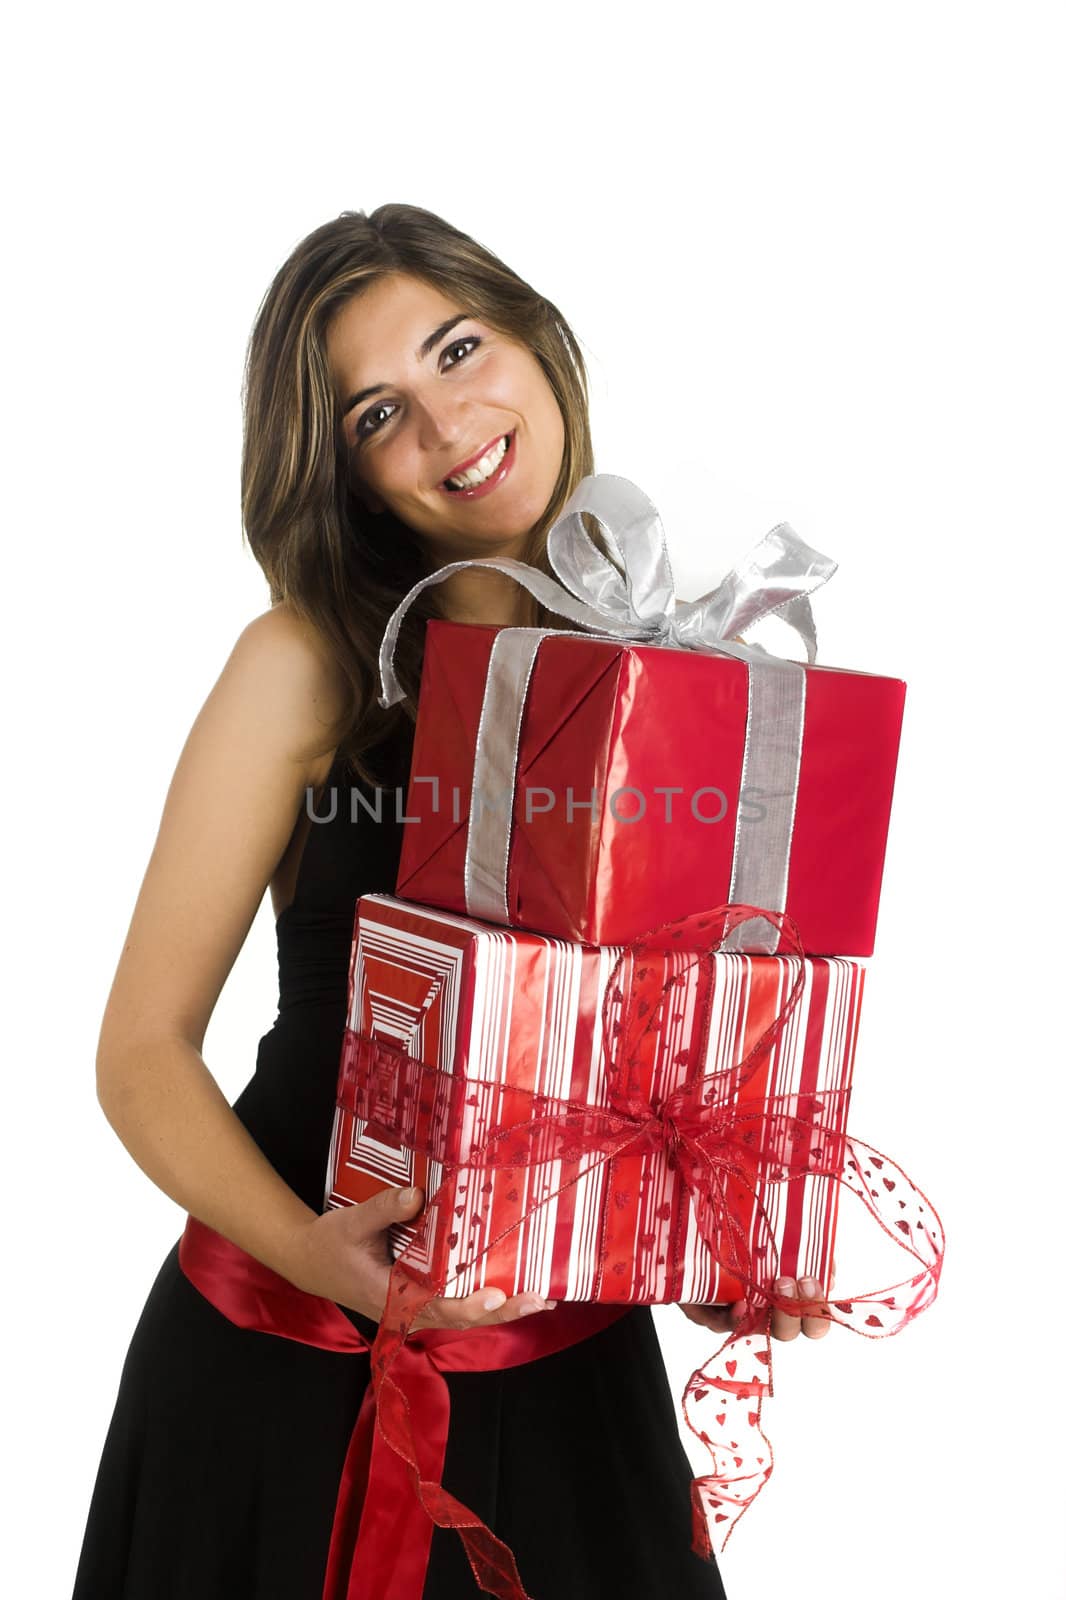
x=631, y=598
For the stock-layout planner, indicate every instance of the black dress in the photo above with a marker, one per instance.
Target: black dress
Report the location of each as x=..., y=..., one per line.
x=220, y=1469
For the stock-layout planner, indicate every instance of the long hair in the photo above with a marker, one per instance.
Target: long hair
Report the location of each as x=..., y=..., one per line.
x=340, y=568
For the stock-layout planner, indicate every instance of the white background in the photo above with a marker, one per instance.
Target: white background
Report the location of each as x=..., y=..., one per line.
x=813, y=255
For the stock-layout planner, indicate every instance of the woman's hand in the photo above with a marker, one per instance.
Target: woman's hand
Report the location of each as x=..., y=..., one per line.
x=783, y=1325
x=344, y=1255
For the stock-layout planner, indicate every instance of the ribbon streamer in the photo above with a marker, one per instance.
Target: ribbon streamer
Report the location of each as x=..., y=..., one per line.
x=634, y=601
x=716, y=1148
x=380, y=1541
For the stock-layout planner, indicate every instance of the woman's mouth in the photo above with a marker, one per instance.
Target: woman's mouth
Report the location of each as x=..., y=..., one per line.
x=486, y=474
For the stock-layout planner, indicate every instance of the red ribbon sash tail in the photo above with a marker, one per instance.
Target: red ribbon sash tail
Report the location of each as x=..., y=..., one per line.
x=382, y=1527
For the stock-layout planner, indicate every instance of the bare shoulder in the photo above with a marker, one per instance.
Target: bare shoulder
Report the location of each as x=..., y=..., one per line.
x=266, y=732
x=286, y=672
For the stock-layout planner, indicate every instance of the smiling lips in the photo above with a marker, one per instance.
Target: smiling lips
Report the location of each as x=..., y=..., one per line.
x=481, y=474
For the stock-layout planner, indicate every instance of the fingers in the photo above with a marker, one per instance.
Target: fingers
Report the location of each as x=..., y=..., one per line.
x=808, y=1295
x=720, y=1319
x=483, y=1309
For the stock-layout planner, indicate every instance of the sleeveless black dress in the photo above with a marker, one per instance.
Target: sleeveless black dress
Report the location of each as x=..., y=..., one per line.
x=220, y=1469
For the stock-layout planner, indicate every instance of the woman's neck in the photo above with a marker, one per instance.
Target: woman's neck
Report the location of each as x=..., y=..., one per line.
x=477, y=594
x=480, y=595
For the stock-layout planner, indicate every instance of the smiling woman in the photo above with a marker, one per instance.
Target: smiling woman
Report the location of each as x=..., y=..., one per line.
x=409, y=400
x=414, y=350
x=463, y=447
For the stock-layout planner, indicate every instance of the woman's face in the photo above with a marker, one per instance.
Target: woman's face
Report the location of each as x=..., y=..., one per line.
x=424, y=392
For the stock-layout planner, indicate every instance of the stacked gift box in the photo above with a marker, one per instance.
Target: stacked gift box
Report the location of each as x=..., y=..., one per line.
x=491, y=1011
x=569, y=793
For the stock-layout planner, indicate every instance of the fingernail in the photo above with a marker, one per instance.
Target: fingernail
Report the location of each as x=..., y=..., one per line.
x=809, y=1288
x=786, y=1286
x=531, y=1305
x=407, y=1195
x=494, y=1300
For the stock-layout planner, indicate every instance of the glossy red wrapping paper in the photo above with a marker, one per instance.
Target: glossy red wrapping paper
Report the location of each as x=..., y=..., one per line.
x=611, y=716
x=485, y=1006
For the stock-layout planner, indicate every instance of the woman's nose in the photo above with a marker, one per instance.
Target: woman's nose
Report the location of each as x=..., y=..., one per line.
x=440, y=422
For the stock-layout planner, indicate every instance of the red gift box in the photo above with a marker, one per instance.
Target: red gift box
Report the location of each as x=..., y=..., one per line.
x=630, y=721
x=592, y=785
x=458, y=1031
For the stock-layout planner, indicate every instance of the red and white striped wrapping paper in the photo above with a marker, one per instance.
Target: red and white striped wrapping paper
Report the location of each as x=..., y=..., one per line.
x=507, y=1006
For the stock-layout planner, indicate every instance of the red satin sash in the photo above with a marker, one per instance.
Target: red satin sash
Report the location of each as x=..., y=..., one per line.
x=381, y=1533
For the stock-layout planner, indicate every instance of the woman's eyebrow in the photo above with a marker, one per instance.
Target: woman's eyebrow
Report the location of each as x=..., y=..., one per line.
x=423, y=351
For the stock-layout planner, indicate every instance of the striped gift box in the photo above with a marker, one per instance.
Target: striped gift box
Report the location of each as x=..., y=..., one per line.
x=492, y=1006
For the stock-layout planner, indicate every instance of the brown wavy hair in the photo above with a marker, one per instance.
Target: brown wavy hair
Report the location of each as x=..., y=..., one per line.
x=341, y=569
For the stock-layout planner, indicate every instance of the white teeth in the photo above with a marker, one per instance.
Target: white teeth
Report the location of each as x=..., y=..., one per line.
x=482, y=470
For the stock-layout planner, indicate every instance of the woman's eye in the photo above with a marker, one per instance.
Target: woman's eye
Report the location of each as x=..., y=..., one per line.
x=471, y=339
x=365, y=426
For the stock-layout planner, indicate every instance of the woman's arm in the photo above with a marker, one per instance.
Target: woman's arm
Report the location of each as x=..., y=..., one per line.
x=261, y=737
x=265, y=732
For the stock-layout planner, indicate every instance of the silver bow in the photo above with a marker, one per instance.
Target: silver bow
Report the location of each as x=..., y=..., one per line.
x=631, y=597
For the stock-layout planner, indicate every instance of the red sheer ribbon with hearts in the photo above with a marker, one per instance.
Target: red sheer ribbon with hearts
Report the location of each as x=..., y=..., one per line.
x=719, y=1148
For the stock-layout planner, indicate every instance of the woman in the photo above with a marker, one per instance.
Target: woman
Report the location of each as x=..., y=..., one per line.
x=409, y=401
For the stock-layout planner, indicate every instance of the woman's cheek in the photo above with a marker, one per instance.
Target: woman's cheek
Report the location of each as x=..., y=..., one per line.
x=503, y=378
x=397, y=468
